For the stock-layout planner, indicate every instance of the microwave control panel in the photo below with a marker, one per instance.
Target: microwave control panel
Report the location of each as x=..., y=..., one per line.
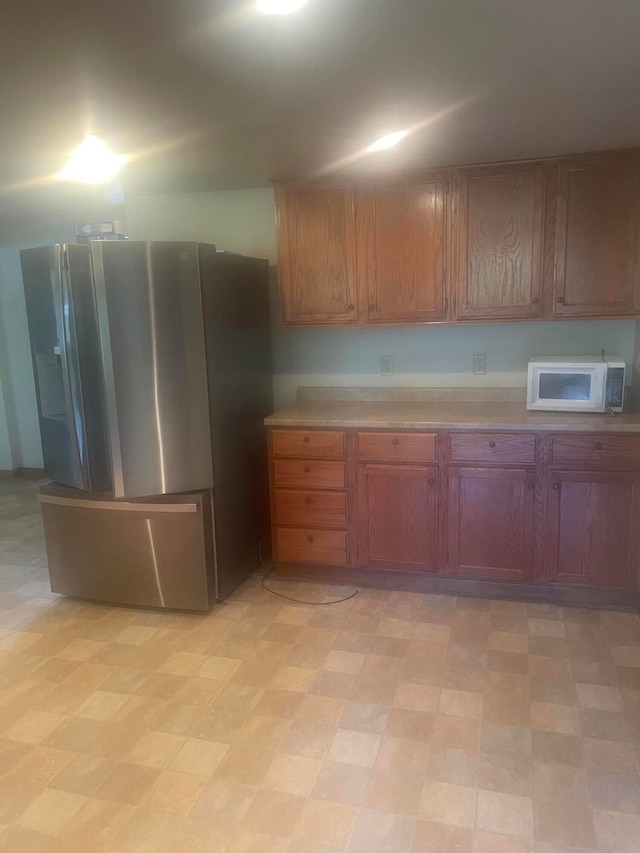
x=614, y=392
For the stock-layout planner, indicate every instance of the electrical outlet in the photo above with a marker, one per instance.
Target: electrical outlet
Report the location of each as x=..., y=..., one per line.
x=479, y=364
x=386, y=365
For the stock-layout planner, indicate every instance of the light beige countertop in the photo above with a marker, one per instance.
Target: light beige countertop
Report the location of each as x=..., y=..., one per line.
x=438, y=414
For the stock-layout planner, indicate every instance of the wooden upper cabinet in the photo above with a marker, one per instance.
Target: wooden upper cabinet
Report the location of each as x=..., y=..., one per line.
x=514, y=241
x=400, y=232
x=316, y=255
x=597, y=269
x=497, y=241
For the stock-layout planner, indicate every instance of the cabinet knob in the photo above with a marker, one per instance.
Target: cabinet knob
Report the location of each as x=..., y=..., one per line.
x=556, y=486
x=492, y=443
x=598, y=445
x=560, y=299
x=535, y=300
x=307, y=500
x=309, y=538
x=372, y=307
x=529, y=485
x=307, y=469
x=395, y=441
x=351, y=307
x=306, y=439
x=432, y=482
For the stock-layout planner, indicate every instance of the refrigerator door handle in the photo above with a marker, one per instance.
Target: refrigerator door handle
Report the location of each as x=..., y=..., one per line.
x=118, y=506
x=111, y=410
x=70, y=377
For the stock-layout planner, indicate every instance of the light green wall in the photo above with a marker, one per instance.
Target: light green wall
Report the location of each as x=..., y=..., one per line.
x=240, y=221
x=244, y=221
x=438, y=355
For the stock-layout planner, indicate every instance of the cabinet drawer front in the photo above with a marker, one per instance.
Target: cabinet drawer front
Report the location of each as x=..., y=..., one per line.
x=318, y=444
x=312, y=509
x=308, y=474
x=397, y=446
x=311, y=546
x=493, y=447
x=597, y=451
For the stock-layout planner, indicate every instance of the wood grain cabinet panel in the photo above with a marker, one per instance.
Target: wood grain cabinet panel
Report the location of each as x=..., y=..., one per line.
x=327, y=547
x=597, y=267
x=311, y=443
x=316, y=255
x=593, y=529
x=401, y=249
x=310, y=509
x=596, y=450
x=514, y=447
x=308, y=474
x=491, y=513
x=397, y=446
x=398, y=518
x=498, y=241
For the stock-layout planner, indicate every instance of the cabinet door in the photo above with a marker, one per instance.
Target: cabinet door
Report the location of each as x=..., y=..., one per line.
x=316, y=257
x=498, y=241
x=597, y=227
x=400, y=232
x=398, y=517
x=491, y=523
x=594, y=529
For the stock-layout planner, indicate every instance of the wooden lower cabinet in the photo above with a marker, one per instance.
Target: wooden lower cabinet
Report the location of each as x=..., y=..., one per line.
x=560, y=510
x=490, y=521
x=398, y=517
x=593, y=529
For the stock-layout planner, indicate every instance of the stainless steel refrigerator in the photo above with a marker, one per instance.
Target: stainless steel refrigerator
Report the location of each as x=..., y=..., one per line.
x=152, y=365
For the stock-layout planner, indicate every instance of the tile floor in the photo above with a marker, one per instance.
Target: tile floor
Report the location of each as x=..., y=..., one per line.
x=392, y=723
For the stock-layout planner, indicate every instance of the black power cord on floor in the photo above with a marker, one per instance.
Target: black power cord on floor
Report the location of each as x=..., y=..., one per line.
x=288, y=597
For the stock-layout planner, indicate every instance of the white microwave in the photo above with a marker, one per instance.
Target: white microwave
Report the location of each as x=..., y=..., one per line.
x=579, y=384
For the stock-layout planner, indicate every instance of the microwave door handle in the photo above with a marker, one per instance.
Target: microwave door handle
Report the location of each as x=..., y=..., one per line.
x=71, y=378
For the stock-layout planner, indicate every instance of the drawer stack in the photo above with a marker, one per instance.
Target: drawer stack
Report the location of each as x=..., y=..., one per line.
x=309, y=495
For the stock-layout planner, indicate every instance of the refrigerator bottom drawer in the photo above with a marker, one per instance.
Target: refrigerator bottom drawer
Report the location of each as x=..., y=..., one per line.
x=156, y=555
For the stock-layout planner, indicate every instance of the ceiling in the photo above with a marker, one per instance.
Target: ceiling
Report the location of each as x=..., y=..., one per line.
x=212, y=94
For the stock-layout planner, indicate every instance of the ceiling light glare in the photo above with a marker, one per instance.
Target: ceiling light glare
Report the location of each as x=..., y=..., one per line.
x=92, y=163
x=388, y=141
x=279, y=7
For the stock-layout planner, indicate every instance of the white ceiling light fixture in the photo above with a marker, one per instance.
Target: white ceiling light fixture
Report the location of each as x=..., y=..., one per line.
x=388, y=141
x=92, y=163
x=279, y=7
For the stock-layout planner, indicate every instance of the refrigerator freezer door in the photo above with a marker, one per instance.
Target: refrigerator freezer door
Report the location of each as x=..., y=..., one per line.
x=155, y=553
x=153, y=357
x=63, y=331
